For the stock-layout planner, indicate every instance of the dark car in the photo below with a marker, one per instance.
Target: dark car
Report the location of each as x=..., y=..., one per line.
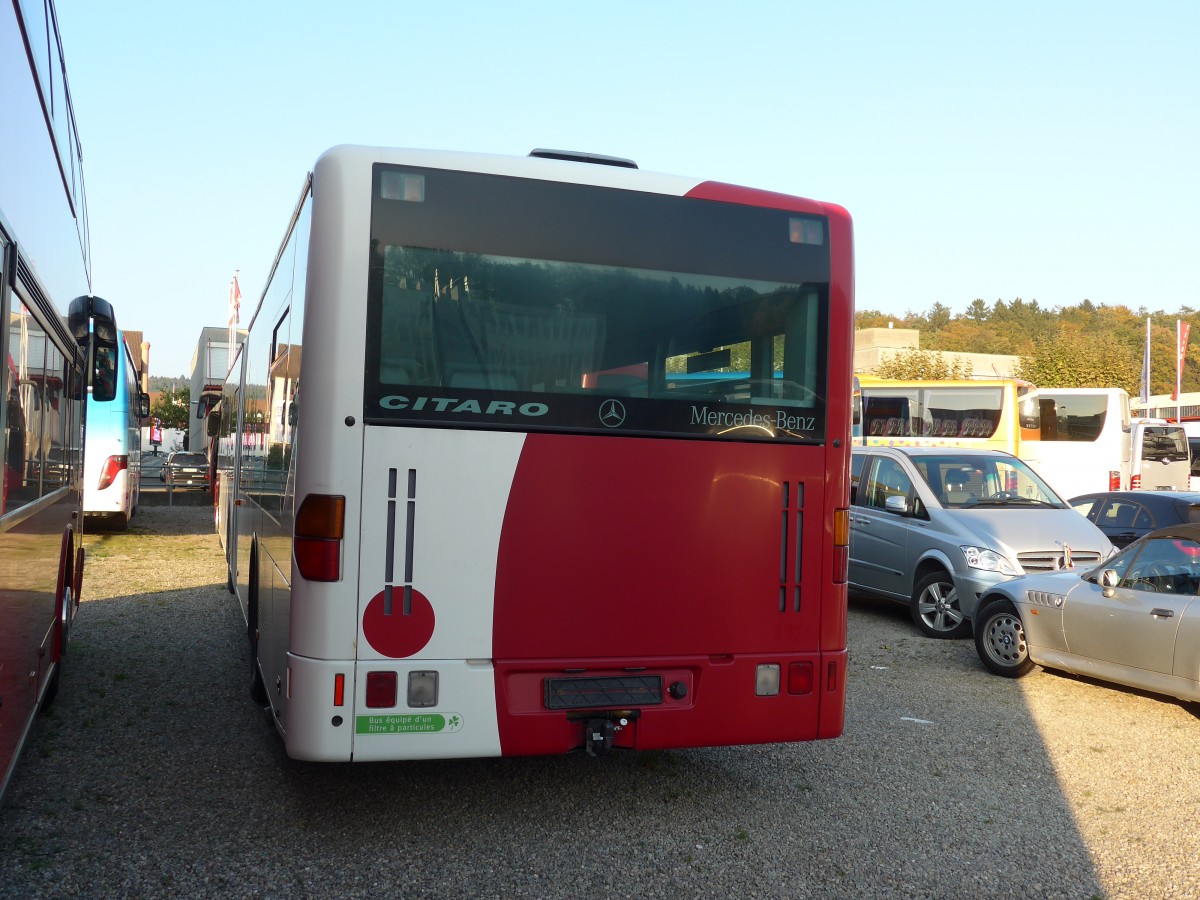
x=185, y=470
x=1125, y=516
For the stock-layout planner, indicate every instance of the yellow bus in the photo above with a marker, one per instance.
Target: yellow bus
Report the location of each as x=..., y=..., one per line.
x=993, y=413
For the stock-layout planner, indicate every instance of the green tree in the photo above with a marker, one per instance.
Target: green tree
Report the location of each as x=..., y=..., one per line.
x=913, y=364
x=173, y=406
x=977, y=311
x=1060, y=360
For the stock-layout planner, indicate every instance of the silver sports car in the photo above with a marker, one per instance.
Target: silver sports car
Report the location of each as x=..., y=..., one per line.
x=1134, y=619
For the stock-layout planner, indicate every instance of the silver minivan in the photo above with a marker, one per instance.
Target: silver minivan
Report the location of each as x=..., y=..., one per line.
x=934, y=527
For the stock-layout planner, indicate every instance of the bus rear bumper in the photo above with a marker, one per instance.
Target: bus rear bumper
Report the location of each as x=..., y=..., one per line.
x=546, y=707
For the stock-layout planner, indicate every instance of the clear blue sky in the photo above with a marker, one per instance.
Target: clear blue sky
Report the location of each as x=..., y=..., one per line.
x=994, y=150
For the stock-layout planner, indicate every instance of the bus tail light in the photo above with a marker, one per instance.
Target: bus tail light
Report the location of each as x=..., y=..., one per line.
x=381, y=690
x=320, y=526
x=1135, y=482
x=1114, y=480
x=800, y=678
x=112, y=466
x=339, y=689
x=841, y=545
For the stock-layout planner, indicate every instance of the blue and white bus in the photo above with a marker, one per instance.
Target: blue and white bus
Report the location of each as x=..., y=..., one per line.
x=113, y=450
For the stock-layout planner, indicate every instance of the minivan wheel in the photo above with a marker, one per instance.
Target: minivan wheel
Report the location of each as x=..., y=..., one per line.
x=935, y=608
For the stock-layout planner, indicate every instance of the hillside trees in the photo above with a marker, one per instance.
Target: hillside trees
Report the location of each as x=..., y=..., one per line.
x=1087, y=345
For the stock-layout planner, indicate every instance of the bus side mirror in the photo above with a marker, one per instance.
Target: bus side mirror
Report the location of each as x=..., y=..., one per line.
x=213, y=426
x=92, y=324
x=143, y=404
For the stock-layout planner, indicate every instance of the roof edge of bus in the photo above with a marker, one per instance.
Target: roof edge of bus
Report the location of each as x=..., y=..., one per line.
x=535, y=167
x=566, y=167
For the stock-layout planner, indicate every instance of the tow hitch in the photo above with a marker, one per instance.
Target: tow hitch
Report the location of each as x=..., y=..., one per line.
x=598, y=732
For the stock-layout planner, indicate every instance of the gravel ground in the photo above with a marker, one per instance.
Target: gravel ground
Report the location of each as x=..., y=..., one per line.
x=154, y=776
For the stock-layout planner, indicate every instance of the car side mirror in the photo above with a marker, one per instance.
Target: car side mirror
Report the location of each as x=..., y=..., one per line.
x=896, y=504
x=1109, y=579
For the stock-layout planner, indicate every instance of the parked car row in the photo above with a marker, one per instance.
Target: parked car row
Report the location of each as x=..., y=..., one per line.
x=935, y=527
x=975, y=541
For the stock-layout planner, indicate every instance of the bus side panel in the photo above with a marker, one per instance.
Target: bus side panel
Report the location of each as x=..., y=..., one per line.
x=29, y=565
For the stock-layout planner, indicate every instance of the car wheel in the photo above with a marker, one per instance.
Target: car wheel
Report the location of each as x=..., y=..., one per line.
x=1000, y=640
x=935, y=608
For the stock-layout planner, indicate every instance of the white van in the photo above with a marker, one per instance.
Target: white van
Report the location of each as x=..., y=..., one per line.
x=1159, y=458
x=1090, y=443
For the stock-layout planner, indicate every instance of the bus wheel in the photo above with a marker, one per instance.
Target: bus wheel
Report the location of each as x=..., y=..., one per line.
x=78, y=573
x=935, y=608
x=66, y=604
x=258, y=690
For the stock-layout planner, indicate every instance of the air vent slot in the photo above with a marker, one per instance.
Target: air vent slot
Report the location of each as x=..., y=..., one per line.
x=791, y=546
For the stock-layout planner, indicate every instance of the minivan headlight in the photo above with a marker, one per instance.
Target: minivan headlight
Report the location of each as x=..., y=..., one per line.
x=988, y=560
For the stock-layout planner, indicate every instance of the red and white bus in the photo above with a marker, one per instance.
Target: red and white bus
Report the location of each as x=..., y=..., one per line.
x=43, y=264
x=566, y=467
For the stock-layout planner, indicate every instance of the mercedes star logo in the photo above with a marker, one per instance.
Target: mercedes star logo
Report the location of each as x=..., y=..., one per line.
x=612, y=413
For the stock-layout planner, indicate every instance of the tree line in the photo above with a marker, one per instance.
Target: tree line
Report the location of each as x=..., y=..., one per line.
x=1086, y=345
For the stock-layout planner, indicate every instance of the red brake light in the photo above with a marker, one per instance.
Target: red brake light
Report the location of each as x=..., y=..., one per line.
x=381, y=690
x=320, y=525
x=1135, y=483
x=112, y=466
x=800, y=678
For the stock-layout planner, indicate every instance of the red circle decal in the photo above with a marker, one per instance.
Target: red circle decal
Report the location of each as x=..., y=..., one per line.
x=398, y=635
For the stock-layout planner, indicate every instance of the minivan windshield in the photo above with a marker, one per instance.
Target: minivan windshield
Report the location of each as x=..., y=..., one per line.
x=963, y=481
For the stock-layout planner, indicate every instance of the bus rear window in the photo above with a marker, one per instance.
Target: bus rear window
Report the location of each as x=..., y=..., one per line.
x=539, y=342
x=1067, y=417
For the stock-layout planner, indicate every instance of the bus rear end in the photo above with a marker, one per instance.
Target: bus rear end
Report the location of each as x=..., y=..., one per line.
x=603, y=440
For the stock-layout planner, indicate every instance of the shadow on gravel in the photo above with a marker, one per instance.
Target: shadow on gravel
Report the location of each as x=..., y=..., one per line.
x=155, y=775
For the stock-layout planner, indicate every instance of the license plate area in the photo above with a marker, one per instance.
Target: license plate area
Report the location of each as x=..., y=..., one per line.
x=596, y=692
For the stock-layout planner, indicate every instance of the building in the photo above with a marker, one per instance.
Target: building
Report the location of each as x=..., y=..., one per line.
x=873, y=345
x=210, y=366
x=1161, y=406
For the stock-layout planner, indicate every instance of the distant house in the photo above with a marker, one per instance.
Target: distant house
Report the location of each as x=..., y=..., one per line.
x=873, y=345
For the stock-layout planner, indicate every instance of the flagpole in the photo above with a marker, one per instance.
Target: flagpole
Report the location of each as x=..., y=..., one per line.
x=1144, y=397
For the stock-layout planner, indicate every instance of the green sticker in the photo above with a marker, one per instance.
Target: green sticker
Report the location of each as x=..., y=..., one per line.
x=412, y=723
